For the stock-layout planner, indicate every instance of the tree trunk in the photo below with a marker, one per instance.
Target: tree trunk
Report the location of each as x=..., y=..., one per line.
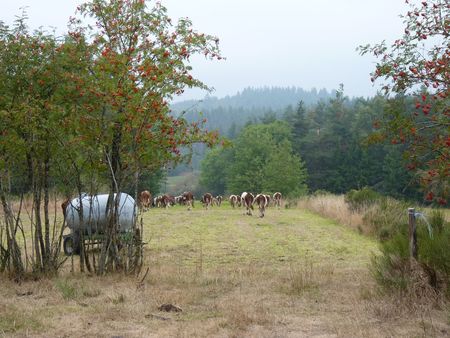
x=46, y=253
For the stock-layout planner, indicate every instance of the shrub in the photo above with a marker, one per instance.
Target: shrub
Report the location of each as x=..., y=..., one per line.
x=361, y=199
x=321, y=192
x=435, y=254
x=429, y=276
x=68, y=289
x=386, y=217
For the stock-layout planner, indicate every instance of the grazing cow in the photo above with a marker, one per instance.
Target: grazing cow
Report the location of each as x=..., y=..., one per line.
x=164, y=201
x=269, y=199
x=219, y=200
x=207, y=200
x=247, y=201
x=167, y=201
x=233, y=201
x=64, y=206
x=262, y=202
x=188, y=199
x=239, y=201
x=179, y=200
x=145, y=198
x=277, y=199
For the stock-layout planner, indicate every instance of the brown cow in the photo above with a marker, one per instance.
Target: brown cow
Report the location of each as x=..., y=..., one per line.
x=64, y=206
x=277, y=199
x=262, y=202
x=145, y=198
x=247, y=202
x=207, y=200
x=167, y=201
x=164, y=201
x=188, y=199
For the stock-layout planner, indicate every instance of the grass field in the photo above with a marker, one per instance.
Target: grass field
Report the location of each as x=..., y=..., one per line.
x=290, y=274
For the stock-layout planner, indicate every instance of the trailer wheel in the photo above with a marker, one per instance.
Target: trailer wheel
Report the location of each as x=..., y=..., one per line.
x=71, y=245
x=68, y=246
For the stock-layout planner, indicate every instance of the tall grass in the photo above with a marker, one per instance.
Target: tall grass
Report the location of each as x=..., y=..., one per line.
x=386, y=219
x=335, y=208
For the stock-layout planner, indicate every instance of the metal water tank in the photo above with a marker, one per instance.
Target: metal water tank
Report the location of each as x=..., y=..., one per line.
x=95, y=218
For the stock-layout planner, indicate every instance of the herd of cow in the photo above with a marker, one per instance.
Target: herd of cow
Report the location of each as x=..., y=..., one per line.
x=245, y=200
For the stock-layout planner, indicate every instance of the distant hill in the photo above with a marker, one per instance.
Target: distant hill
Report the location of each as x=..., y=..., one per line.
x=229, y=114
x=250, y=104
x=258, y=98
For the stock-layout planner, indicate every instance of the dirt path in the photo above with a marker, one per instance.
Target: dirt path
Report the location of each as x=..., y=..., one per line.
x=291, y=274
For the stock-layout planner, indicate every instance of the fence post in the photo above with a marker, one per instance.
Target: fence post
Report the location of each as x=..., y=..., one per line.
x=412, y=234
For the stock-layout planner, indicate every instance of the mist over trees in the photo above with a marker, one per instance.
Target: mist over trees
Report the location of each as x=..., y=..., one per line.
x=223, y=113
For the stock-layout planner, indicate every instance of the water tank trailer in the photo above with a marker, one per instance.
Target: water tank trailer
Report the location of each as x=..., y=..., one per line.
x=95, y=218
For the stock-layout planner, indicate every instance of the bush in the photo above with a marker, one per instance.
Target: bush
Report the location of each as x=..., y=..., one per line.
x=386, y=217
x=360, y=199
x=320, y=192
x=430, y=275
x=390, y=269
x=435, y=254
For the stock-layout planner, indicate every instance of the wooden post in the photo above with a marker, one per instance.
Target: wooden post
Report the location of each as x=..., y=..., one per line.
x=412, y=234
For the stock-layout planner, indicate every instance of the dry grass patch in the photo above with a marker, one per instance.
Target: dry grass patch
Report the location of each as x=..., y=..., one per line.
x=334, y=207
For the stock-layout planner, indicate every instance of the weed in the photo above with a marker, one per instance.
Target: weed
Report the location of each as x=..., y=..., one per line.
x=361, y=199
x=12, y=320
x=119, y=299
x=67, y=289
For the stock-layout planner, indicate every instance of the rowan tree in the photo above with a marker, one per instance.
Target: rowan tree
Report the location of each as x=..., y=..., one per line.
x=417, y=65
x=136, y=61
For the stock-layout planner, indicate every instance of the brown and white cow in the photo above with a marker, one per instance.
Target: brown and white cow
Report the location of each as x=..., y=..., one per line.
x=64, y=206
x=269, y=199
x=233, y=201
x=145, y=198
x=262, y=202
x=164, y=201
x=188, y=199
x=207, y=200
x=219, y=200
x=239, y=201
x=247, y=202
x=277, y=199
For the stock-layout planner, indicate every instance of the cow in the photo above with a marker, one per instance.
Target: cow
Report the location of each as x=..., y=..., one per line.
x=269, y=199
x=64, y=206
x=188, y=199
x=277, y=199
x=262, y=202
x=207, y=200
x=233, y=201
x=219, y=200
x=164, y=201
x=145, y=198
x=179, y=200
x=239, y=201
x=247, y=202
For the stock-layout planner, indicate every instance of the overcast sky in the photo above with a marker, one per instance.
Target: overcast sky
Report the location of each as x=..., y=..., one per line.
x=304, y=43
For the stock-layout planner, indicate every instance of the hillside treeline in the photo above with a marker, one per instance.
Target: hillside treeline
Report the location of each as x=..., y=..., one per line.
x=329, y=146
x=229, y=114
x=250, y=103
